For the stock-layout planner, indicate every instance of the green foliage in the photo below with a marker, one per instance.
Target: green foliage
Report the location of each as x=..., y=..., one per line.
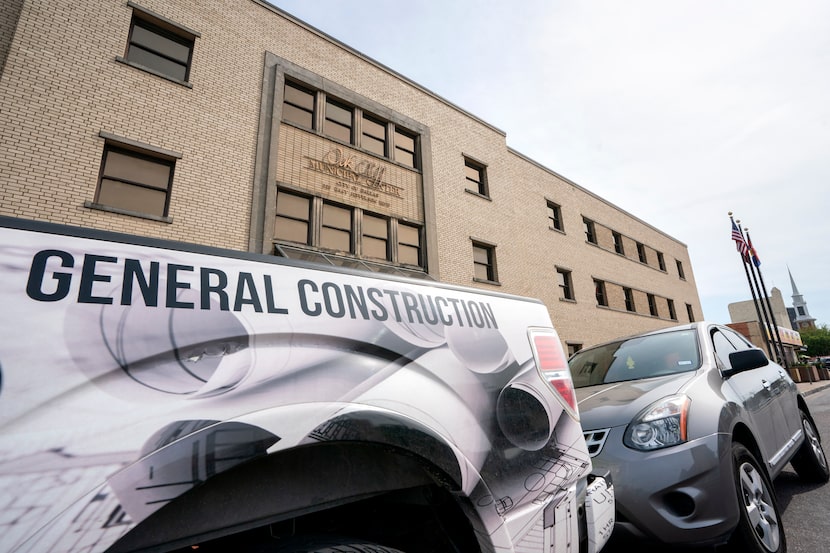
x=817, y=340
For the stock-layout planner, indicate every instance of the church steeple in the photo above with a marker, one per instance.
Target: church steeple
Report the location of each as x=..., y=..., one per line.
x=802, y=318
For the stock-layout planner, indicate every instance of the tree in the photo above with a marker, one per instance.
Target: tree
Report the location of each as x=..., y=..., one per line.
x=817, y=340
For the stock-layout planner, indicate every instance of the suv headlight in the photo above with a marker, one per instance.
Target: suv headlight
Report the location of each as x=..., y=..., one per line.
x=662, y=424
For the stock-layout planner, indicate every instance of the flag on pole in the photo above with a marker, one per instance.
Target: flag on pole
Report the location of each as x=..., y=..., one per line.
x=740, y=243
x=752, y=253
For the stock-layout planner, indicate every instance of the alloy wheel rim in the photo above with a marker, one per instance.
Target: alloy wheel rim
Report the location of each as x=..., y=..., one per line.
x=759, y=507
x=815, y=444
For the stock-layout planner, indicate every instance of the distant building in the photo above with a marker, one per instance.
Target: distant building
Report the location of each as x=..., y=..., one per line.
x=745, y=319
x=799, y=314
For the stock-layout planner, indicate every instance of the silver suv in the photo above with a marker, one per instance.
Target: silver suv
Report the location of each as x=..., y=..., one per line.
x=683, y=415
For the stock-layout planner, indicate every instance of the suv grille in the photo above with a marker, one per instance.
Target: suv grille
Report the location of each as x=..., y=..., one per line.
x=595, y=440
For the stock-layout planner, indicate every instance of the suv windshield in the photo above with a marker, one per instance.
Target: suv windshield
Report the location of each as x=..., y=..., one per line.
x=636, y=358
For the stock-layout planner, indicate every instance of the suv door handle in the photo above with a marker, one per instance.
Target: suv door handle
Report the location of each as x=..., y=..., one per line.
x=765, y=384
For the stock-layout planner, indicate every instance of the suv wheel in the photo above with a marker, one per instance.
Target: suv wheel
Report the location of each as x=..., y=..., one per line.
x=810, y=462
x=759, y=527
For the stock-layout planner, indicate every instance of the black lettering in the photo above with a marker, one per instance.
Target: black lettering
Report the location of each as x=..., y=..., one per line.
x=336, y=309
x=375, y=295
x=489, y=316
x=315, y=308
x=246, y=283
x=454, y=302
x=173, y=285
x=89, y=278
x=393, y=295
x=356, y=300
x=410, y=302
x=218, y=288
x=440, y=303
x=475, y=314
x=428, y=309
x=269, y=298
x=34, y=286
x=149, y=290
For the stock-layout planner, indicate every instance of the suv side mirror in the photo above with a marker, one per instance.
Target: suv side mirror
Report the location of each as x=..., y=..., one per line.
x=746, y=360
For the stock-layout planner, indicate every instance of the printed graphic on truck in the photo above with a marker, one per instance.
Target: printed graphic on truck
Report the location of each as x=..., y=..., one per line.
x=133, y=376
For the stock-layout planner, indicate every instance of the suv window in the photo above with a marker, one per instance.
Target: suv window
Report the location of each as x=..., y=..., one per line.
x=636, y=358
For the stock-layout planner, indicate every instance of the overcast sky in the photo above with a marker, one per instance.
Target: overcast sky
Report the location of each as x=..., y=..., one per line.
x=676, y=111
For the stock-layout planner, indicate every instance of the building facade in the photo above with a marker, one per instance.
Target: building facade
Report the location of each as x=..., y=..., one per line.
x=233, y=124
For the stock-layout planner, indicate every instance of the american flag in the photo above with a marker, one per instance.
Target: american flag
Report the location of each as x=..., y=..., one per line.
x=740, y=243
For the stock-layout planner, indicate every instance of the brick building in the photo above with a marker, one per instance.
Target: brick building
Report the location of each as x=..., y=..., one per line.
x=233, y=124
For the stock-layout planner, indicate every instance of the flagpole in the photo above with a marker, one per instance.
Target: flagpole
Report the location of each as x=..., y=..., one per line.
x=769, y=304
x=772, y=345
x=743, y=250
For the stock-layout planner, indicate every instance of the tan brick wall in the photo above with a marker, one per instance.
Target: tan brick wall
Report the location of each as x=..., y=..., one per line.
x=62, y=86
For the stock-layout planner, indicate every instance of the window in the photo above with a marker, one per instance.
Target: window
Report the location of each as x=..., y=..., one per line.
x=476, y=177
x=555, y=216
x=565, y=284
x=409, y=244
x=590, y=230
x=661, y=262
x=800, y=310
x=573, y=348
x=293, y=218
x=405, y=148
x=618, y=243
x=484, y=262
x=690, y=312
x=726, y=342
x=135, y=181
x=602, y=297
x=309, y=108
x=680, y=272
x=672, y=313
x=336, y=228
x=160, y=46
x=298, y=105
x=652, y=305
x=374, y=135
x=641, y=253
x=339, y=121
x=629, y=299
x=375, y=241
x=315, y=223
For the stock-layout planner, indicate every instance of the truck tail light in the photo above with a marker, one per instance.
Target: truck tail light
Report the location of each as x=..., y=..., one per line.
x=553, y=366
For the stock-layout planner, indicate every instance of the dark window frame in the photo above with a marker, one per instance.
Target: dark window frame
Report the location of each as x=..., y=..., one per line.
x=680, y=272
x=489, y=266
x=629, y=299
x=480, y=185
x=641, y=253
x=652, y=305
x=555, y=216
x=565, y=283
x=394, y=239
x=304, y=109
x=142, y=152
x=661, y=261
x=330, y=120
x=618, y=242
x=690, y=312
x=600, y=292
x=672, y=312
x=307, y=221
x=590, y=230
x=167, y=30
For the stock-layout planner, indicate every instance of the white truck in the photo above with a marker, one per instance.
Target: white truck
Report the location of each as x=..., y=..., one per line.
x=159, y=396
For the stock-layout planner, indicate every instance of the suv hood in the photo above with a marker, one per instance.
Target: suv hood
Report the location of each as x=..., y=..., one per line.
x=616, y=404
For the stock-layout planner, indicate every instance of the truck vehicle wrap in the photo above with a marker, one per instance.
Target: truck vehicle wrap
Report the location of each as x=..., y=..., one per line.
x=157, y=396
